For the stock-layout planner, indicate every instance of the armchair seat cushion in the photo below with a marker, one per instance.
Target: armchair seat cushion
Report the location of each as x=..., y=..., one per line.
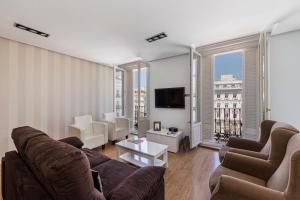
x=215, y=177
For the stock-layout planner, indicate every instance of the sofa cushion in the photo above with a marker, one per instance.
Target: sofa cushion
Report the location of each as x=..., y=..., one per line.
x=140, y=185
x=74, y=141
x=95, y=157
x=112, y=173
x=215, y=176
x=61, y=168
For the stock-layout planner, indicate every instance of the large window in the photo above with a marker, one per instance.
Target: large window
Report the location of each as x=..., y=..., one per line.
x=140, y=94
x=119, y=92
x=228, y=79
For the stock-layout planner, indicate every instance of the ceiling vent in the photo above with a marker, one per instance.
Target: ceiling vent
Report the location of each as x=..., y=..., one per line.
x=25, y=28
x=157, y=37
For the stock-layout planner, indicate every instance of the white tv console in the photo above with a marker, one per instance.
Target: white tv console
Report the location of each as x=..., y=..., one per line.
x=166, y=138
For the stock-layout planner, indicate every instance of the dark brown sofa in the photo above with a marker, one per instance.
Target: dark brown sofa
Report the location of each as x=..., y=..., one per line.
x=43, y=168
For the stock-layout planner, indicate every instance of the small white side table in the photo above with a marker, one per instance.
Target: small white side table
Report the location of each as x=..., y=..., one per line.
x=165, y=137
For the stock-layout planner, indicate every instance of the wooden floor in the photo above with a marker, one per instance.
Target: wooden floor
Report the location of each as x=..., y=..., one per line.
x=188, y=173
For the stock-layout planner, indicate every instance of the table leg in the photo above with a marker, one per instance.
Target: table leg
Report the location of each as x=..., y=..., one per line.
x=118, y=153
x=152, y=161
x=165, y=158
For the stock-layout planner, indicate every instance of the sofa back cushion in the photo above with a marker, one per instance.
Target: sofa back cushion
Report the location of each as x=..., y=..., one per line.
x=279, y=179
x=61, y=168
x=266, y=149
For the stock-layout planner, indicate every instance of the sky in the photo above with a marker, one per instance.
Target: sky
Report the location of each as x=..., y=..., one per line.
x=231, y=63
x=143, y=78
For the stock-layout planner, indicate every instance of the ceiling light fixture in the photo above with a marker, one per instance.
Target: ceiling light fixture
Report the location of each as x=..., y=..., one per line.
x=157, y=37
x=31, y=30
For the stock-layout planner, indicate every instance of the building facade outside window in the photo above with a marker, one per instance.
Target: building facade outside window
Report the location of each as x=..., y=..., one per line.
x=119, y=92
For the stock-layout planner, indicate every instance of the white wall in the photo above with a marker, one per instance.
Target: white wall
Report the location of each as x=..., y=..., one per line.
x=285, y=78
x=45, y=90
x=167, y=73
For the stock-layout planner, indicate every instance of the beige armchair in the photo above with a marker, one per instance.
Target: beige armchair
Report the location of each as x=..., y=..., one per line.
x=258, y=149
x=118, y=127
x=242, y=177
x=92, y=133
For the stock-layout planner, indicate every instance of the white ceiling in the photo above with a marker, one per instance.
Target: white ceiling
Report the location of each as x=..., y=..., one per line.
x=114, y=31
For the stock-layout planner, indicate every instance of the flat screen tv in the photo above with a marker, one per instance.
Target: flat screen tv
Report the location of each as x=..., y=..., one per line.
x=169, y=98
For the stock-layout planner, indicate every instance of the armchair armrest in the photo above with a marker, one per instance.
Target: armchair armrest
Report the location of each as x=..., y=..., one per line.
x=122, y=122
x=100, y=128
x=75, y=131
x=252, y=166
x=246, y=144
x=230, y=188
x=249, y=153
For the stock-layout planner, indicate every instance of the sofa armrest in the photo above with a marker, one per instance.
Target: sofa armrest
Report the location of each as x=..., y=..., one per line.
x=246, y=144
x=100, y=128
x=249, y=153
x=74, y=141
x=75, y=131
x=252, y=166
x=143, y=184
x=230, y=188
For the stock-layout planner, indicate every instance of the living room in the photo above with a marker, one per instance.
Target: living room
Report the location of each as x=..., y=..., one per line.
x=149, y=100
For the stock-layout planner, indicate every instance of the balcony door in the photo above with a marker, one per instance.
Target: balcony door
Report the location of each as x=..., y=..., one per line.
x=228, y=92
x=141, y=98
x=195, y=96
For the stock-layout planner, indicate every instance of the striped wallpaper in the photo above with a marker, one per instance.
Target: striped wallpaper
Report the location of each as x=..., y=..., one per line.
x=45, y=90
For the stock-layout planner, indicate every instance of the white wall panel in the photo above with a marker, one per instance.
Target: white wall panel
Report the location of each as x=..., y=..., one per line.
x=45, y=90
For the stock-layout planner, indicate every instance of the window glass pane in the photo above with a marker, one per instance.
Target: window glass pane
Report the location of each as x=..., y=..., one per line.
x=119, y=92
x=228, y=79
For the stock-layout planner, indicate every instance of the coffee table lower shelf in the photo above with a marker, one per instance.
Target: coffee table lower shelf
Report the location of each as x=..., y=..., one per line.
x=140, y=161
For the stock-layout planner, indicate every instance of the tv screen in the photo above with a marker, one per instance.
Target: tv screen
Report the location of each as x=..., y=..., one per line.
x=169, y=98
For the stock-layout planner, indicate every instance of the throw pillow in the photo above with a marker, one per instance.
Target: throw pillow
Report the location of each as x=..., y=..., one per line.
x=97, y=180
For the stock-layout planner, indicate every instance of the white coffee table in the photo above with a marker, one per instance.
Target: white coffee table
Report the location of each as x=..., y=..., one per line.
x=143, y=154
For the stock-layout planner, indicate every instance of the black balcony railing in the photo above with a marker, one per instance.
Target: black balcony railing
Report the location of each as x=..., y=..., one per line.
x=228, y=122
x=142, y=112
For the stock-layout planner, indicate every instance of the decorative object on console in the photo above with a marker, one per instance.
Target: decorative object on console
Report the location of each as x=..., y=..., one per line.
x=157, y=126
x=173, y=129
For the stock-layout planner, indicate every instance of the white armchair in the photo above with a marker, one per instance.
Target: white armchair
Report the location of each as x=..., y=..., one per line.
x=118, y=127
x=93, y=134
